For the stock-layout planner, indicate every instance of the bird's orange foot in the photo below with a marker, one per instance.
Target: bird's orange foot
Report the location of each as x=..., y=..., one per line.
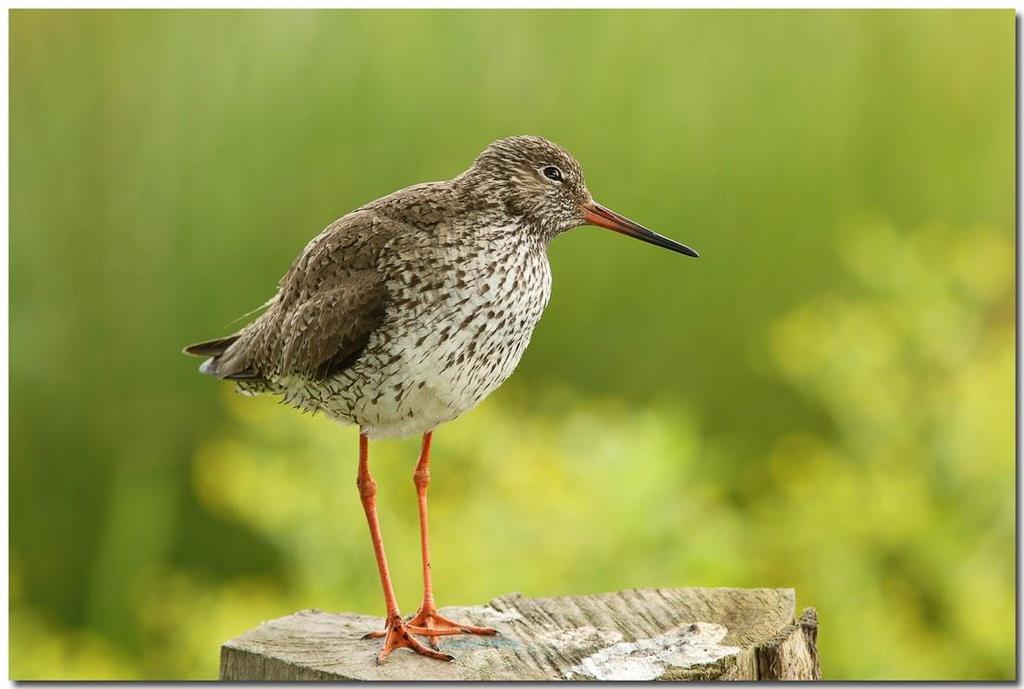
x=398, y=634
x=427, y=622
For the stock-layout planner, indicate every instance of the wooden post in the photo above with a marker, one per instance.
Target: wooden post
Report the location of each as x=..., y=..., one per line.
x=639, y=634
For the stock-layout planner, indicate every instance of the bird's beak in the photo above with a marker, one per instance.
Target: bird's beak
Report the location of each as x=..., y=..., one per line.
x=596, y=214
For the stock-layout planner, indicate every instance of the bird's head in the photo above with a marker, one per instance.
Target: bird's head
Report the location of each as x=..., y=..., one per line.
x=541, y=183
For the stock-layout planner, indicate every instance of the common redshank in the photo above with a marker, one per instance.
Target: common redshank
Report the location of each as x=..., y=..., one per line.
x=410, y=310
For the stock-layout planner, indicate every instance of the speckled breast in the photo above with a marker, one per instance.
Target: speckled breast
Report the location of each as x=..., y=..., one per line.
x=459, y=318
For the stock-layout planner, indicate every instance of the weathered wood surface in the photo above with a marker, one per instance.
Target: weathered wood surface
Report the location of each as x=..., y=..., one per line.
x=639, y=634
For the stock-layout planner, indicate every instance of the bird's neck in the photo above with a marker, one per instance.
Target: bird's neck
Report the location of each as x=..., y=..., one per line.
x=485, y=197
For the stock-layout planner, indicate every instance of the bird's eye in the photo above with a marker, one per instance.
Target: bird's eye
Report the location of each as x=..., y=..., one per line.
x=552, y=173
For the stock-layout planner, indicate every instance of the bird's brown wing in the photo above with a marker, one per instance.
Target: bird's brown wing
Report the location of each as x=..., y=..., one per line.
x=328, y=304
x=325, y=333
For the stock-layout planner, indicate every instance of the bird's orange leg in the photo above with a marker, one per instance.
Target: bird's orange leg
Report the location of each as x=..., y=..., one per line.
x=396, y=634
x=427, y=621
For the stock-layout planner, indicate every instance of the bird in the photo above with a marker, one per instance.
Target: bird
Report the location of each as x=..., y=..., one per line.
x=410, y=310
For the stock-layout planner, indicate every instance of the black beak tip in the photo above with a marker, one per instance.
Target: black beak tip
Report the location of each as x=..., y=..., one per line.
x=691, y=252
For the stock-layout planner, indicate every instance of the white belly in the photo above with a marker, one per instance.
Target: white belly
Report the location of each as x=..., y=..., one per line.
x=448, y=345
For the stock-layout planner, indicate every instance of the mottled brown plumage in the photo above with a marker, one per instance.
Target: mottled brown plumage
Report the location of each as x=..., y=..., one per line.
x=410, y=310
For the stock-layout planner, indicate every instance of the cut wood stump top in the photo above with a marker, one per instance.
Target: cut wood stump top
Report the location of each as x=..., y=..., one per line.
x=639, y=634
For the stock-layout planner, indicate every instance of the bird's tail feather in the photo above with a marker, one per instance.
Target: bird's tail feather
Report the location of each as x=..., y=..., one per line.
x=214, y=349
x=211, y=347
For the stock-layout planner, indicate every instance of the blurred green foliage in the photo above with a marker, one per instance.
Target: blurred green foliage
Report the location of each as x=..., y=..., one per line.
x=824, y=400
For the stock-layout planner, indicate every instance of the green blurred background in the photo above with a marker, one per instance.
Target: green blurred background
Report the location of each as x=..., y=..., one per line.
x=824, y=400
